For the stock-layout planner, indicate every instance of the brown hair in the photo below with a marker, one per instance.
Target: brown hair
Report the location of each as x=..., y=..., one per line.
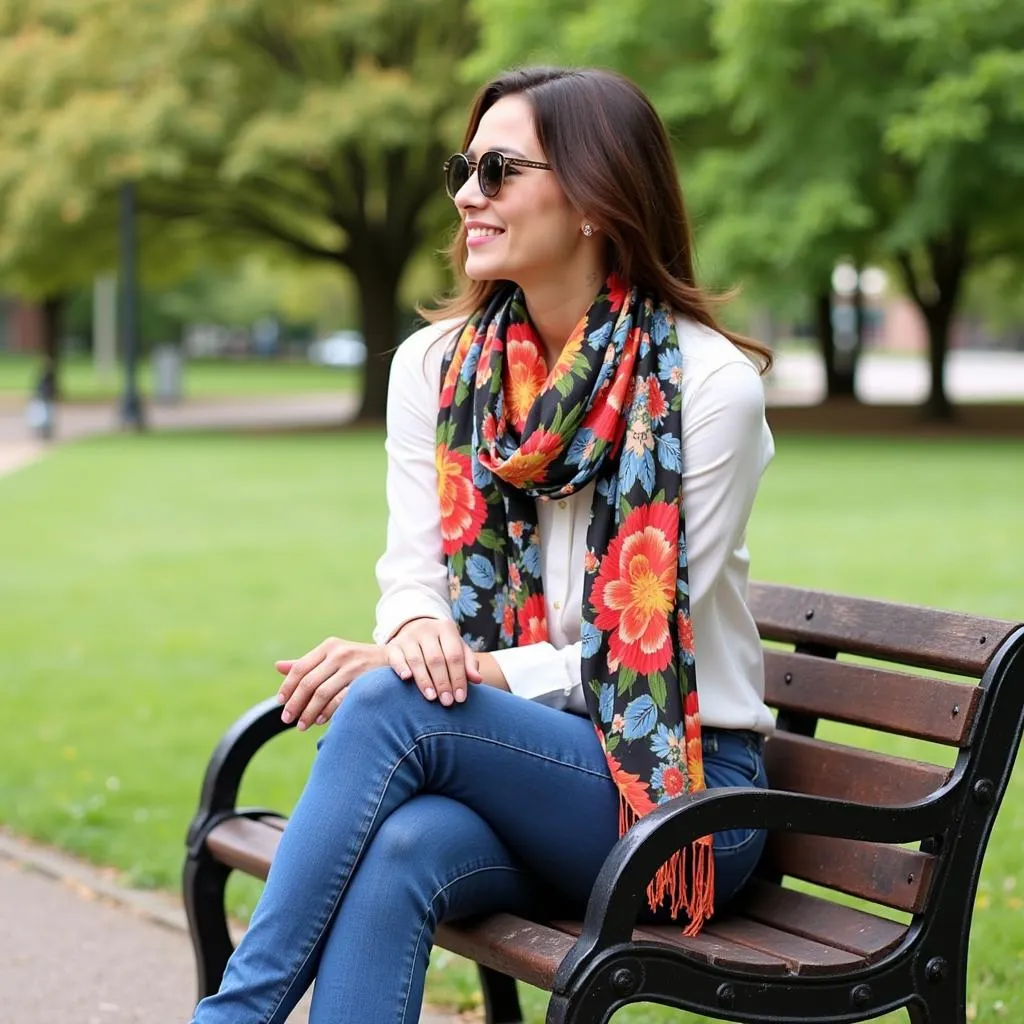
x=599, y=133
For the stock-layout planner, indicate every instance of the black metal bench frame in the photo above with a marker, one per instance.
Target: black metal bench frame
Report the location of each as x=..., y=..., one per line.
x=607, y=966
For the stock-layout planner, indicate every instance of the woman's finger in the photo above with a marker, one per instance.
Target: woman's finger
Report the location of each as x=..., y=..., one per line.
x=473, y=673
x=396, y=659
x=415, y=659
x=437, y=666
x=332, y=706
x=320, y=698
x=305, y=687
x=454, y=651
x=298, y=669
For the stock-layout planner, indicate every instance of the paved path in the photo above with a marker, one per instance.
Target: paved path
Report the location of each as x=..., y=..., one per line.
x=77, y=948
x=18, y=447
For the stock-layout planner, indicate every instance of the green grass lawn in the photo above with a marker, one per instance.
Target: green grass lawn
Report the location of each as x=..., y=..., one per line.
x=202, y=378
x=148, y=584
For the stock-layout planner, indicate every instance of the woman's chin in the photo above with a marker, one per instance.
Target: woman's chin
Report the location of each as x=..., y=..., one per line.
x=479, y=270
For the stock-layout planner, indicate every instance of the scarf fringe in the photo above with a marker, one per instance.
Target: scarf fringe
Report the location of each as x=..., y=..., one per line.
x=693, y=890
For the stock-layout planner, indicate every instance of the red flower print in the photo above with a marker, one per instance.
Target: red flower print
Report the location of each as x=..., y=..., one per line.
x=590, y=561
x=630, y=788
x=672, y=781
x=695, y=765
x=515, y=581
x=529, y=464
x=525, y=374
x=451, y=378
x=635, y=588
x=463, y=509
x=569, y=352
x=617, y=293
x=515, y=529
x=489, y=429
x=656, y=404
x=685, y=628
x=533, y=626
x=508, y=621
x=690, y=703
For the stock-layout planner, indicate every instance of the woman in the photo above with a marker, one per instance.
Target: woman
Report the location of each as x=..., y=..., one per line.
x=573, y=452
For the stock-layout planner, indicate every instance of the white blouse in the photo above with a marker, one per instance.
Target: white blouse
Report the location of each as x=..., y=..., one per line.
x=726, y=447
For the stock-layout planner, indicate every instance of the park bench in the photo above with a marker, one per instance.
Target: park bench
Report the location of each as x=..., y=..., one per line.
x=892, y=845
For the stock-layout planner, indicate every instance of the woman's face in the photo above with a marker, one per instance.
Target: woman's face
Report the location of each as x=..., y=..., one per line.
x=529, y=232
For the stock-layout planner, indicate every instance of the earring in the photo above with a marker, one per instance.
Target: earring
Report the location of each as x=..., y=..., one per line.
x=587, y=230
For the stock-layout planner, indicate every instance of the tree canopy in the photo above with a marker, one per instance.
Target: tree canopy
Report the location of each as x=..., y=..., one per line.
x=319, y=127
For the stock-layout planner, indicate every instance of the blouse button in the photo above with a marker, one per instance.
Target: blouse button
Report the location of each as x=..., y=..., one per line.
x=557, y=606
x=563, y=504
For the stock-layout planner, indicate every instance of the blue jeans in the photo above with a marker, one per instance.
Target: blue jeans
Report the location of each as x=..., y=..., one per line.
x=415, y=813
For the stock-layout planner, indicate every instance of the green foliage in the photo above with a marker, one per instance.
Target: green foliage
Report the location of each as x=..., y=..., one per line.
x=814, y=130
x=317, y=127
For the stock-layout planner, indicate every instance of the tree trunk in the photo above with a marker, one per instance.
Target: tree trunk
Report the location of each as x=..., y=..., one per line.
x=53, y=308
x=939, y=318
x=377, y=279
x=839, y=371
x=937, y=300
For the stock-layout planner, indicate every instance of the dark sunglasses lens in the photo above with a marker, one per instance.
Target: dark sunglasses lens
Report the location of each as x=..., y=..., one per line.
x=492, y=167
x=456, y=174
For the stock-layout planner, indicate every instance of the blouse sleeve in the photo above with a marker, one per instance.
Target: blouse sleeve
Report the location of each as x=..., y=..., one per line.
x=411, y=573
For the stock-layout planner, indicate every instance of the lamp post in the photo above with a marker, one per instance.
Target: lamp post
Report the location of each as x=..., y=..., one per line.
x=131, y=403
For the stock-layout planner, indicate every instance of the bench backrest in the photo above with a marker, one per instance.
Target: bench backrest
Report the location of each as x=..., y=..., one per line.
x=872, y=665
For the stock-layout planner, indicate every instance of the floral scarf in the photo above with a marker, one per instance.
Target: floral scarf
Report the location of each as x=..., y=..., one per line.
x=509, y=432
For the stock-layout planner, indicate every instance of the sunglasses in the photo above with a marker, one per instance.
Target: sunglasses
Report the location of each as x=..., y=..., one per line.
x=490, y=171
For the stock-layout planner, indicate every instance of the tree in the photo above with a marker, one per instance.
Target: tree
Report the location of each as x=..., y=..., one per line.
x=815, y=130
x=317, y=127
x=906, y=112
x=744, y=224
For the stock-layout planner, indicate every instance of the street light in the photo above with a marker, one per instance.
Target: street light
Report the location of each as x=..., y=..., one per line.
x=131, y=404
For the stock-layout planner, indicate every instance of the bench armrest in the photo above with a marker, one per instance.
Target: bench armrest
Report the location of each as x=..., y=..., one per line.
x=621, y=886
x=239, y=744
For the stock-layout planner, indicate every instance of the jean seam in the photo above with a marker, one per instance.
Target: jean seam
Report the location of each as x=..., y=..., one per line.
x=430, y=905
x=340, y=884
x=518, y=750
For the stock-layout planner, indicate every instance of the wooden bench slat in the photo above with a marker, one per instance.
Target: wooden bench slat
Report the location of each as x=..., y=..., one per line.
x=918, y=706
x=802, y=956
x=523, y=949
x=820, y=768
x=246, y=844
x=890, y=875
x=707, y=948
x=812, y=917
x=910, y=635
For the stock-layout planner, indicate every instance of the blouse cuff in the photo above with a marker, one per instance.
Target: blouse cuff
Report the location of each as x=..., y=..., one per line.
x=393, y=614
x=538, y=672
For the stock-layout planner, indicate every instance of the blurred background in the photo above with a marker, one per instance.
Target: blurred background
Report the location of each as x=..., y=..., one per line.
x=216, y=220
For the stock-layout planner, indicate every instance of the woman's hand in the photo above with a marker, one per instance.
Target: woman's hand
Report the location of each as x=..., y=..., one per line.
x=433, y=654
x=315, y=685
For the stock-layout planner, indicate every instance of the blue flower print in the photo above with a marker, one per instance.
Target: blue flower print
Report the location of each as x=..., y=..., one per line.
x=641, y=714
x=600, y=337
x=670, y=366
x=481, y=571
x=606, y=702
x=667, y=742
x=481, y=475
x=669, y=452
x=660, y=326
x=590, y=640
x=581, y=449
x=463, y=599
x=531, y=556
